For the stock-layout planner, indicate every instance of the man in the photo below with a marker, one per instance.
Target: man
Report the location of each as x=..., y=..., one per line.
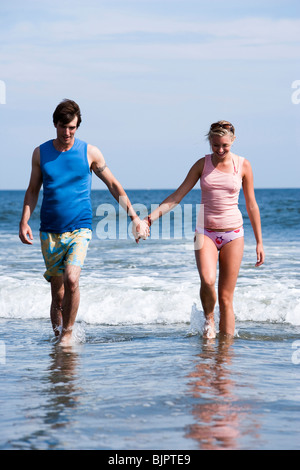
x=64, y=167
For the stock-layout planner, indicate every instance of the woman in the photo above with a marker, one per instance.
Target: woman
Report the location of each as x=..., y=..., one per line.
x=219, y=231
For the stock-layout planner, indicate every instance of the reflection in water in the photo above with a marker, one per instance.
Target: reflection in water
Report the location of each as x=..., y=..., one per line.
x=218, y=412
x=58, y=396
x=63, y=389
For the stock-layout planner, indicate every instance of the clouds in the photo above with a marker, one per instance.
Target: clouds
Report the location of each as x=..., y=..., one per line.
x=120, y=40
x=154, y=73
x=80, y=43
x=122, y=34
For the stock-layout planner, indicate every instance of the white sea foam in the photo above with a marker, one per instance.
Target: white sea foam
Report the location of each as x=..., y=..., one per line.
x=150, y=300
x=154, y=283
x=271, y=303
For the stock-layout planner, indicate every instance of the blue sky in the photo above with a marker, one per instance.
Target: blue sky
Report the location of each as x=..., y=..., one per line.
x=150, y=76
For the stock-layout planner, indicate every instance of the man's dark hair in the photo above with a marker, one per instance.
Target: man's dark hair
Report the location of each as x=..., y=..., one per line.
x=66, y=111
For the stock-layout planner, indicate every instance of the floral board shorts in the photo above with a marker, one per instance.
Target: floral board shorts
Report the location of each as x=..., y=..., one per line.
x=62, y=249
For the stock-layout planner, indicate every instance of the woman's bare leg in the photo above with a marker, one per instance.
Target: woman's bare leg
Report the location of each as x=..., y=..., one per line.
x=230, y=260
x=206, y=259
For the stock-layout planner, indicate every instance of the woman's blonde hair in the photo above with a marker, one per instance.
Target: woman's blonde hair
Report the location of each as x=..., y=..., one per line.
x=221, y=128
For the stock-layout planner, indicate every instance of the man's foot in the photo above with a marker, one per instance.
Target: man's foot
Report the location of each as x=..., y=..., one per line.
x=66, y=338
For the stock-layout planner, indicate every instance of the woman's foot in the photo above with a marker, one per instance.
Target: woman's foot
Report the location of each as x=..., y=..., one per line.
x=209, y=330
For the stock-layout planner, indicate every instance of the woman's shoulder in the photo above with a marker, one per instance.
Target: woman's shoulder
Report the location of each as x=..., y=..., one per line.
x=246, y=167
x=246, y=163
x=202, y=160
x=240, y=160
x=200, y=163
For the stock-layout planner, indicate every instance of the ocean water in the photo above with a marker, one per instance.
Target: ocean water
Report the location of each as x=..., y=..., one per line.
x=140, y=376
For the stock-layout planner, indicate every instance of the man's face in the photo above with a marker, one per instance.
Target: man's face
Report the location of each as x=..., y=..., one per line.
x=66, y=132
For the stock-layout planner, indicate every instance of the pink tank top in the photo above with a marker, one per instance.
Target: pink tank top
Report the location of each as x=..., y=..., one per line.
x=219, y=196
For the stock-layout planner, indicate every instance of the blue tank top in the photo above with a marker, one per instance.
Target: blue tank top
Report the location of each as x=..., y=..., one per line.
x=67, y=179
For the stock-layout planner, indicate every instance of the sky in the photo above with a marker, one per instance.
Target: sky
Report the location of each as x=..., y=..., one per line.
x=150, y=77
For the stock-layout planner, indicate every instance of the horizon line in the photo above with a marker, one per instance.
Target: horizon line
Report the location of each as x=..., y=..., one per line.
x=159, y=189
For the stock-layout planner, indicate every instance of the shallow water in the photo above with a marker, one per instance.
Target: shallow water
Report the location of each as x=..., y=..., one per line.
x=154, y=387
x=140, y=376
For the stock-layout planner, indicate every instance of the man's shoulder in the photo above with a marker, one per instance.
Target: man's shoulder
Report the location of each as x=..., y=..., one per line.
x=95, y=155
x=46, y=144
x=93, y=150
x=80, y=146
x=80, y=142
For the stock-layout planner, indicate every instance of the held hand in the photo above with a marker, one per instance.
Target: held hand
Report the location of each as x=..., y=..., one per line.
x=140, y=229
x=260, y=255
x=24, y=233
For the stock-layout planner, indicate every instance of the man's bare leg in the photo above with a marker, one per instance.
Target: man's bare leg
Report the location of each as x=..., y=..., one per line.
x=70, y=302
x=57, y=294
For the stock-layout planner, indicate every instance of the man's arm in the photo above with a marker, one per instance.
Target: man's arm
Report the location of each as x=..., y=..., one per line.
x=99, y=167
x=31, y=198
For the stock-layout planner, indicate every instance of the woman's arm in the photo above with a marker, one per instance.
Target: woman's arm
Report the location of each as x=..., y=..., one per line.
x=253, y=210
x=174, y=199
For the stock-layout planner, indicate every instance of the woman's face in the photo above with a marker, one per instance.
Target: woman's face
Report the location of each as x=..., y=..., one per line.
x=221, y=145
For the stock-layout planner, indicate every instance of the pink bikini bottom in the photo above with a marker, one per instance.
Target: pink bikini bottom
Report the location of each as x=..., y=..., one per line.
x=221, y=238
